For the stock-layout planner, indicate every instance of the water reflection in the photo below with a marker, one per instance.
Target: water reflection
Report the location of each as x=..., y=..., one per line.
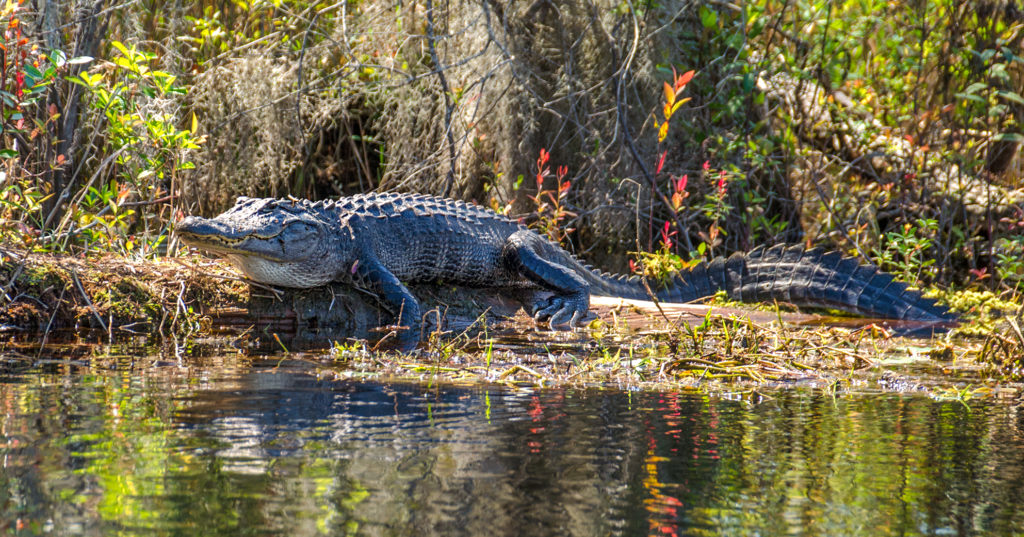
x=235, y=446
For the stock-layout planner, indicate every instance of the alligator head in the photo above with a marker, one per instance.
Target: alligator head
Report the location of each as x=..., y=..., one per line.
x=277, y=242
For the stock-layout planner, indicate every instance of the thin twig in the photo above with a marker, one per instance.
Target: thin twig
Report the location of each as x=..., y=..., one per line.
x=448, y=106
x=88, y=302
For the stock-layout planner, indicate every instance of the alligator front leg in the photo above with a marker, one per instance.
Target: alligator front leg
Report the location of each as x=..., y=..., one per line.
x=372, y=276
x=525, y=252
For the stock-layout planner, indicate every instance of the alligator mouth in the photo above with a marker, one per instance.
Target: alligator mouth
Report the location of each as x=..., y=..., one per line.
x=217, y=237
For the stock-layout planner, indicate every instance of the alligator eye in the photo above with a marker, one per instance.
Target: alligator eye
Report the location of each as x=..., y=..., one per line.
x=301, y=229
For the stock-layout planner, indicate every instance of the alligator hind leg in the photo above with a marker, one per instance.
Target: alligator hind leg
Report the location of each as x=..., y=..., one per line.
x=528, y=254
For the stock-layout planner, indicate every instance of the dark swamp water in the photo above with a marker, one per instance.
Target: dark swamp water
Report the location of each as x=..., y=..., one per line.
x=216, y=443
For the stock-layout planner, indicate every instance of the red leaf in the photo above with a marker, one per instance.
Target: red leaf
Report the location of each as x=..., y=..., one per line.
x=661, y=162
x=681, y=184
x=980, y=274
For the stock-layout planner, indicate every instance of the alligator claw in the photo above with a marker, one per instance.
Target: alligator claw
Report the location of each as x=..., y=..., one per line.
x=545, y=311
x=560, y=311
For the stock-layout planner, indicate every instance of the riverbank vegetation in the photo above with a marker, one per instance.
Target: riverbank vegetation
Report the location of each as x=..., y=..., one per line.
x=641, y=135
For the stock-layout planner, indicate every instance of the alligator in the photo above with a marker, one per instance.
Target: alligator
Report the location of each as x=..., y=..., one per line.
x=379, y=242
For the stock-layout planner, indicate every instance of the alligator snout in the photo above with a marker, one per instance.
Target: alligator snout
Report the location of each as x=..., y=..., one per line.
x=196, y=231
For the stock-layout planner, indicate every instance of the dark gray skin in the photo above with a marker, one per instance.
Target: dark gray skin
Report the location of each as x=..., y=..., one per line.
x=376, y=242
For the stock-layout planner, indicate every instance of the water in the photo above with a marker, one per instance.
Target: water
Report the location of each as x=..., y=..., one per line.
x=231, y=445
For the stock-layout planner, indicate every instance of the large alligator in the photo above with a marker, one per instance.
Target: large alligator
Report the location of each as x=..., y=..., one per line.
x=376, y=242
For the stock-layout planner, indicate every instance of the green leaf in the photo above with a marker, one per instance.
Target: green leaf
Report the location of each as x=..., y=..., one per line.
x=1011, y=96
x=708, y=18
x=1008, y=137
x=974, y=98
x=31, y=71
x=121, y=48
x=974, y=88
x=57, y=57
x=8, y=153
x=125, y=63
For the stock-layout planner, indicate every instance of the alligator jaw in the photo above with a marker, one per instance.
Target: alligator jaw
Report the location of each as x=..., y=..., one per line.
x=217, y=237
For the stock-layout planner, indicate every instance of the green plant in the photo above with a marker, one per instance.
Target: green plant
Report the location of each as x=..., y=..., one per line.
x=661, y=264
x=904, y=251
x=1010, y=260
x=151, y=151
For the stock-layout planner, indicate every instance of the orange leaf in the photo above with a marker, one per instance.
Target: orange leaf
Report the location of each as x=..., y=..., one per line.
x=123, y=193
x=683, y=80
x=667, y=111
x=662, y=132
x=670, y=94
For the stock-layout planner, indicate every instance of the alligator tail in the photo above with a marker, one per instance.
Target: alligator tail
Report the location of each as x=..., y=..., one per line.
x=792, y=274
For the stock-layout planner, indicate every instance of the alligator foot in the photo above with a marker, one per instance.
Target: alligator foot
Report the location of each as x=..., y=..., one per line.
x=560, y=311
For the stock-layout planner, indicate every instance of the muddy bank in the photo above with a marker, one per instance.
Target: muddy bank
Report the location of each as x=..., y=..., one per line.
x=190, y=295
x=48, y=292
x=193, y=295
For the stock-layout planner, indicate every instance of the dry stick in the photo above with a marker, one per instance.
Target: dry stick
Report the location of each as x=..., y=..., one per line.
x=46, y=332
x=838, y=220
x=77, y=198
x=92, y=308
x=357, y=155
x=448, y=107
x=5, y=291
x=301, y=89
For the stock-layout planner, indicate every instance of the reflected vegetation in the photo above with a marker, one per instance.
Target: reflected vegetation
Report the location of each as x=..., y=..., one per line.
x=230, y=445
